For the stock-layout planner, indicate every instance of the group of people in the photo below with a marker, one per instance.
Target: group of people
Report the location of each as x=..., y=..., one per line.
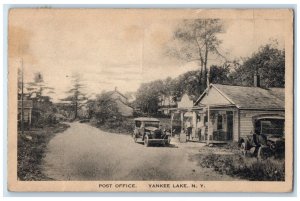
x=200, y=129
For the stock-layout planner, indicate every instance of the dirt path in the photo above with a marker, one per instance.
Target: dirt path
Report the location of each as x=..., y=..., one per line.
x=87, y=153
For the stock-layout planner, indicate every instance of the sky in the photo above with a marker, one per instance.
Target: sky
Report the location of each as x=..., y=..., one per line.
x=116, y=48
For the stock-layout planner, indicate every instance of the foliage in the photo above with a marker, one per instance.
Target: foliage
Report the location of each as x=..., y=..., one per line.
x=104, y=113
x=31, y=150
x=39, y=89
x=246, y=168
x=268, y=62
x=122, y=125
x=76, y=97
x=220, y=74
x=197, y=40
x=148, y=94
x=43, y=111
x=103, y=109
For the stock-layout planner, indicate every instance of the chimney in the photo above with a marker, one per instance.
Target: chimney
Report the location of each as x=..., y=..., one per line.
x=116, y=88
x=256, y=80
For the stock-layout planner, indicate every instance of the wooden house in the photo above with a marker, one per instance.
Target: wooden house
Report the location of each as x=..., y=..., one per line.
x=166, y=104
x=122, y=103
x=224, y=112
x=229, y=110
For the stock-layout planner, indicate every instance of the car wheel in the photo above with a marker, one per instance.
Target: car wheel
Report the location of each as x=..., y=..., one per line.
x=134, y=138
x=167, y=143
x=146, y=141
x=243, y=149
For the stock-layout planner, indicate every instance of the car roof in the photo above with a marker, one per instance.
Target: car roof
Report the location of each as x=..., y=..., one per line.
x=267, y=116
x=146, y=119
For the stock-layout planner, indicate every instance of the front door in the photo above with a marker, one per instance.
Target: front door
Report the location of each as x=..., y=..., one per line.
x=229, y=115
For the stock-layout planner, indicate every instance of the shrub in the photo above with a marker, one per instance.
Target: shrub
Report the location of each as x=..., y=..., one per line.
x=122, y=125
x=246, y=168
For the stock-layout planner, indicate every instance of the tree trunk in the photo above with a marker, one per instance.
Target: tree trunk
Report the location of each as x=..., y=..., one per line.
x=205, y=65
x=200, y=79
x=76, y=107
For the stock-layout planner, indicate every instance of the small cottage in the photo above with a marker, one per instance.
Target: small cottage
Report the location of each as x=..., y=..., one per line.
x=228, y=110
x=225, y=113
x=166, y=104
x=122, y=102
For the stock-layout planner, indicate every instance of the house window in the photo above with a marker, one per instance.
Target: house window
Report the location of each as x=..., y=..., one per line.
x=220, y=122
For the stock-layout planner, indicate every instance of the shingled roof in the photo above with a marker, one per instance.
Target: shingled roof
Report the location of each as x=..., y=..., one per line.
x=251, y=97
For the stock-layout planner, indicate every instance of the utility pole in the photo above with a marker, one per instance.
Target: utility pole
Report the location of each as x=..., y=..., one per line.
x=22, y=99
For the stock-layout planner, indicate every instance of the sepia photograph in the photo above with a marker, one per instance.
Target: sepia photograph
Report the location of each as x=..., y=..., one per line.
x=150, y=100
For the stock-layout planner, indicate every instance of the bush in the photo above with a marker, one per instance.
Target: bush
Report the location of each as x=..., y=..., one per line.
x=31, y=150
x=246, y=168
x=122, y=125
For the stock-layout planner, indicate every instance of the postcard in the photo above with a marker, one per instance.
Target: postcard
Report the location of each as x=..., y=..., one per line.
x=150, y=100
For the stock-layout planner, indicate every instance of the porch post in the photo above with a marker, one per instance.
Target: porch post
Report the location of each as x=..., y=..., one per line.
x=172, y=116
x=208, y=125
x=181, y=118
x=194, y=131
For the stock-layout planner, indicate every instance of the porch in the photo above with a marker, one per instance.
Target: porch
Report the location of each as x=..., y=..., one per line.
x=205, y=124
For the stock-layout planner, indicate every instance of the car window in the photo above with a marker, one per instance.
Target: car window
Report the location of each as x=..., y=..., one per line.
x=152, y=124
x=271, y=126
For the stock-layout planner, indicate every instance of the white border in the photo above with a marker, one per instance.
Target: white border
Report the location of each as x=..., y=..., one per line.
x=139, y=3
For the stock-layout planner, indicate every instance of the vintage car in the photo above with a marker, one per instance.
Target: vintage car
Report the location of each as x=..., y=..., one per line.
x=149, y=131
x=267, y=137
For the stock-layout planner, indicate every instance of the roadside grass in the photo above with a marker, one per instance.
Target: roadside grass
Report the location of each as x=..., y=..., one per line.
x=124, y=125
x=249, y=168
x=31, y=150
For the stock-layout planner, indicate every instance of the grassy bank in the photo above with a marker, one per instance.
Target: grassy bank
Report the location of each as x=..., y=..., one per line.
x=248, y=168
x=124, y=126
x=31, y=150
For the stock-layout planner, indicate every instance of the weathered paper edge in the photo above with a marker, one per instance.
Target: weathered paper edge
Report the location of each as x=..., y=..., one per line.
x=210, y=186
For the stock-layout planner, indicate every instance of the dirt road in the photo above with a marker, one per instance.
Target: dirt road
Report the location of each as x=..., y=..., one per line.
x=86, y=153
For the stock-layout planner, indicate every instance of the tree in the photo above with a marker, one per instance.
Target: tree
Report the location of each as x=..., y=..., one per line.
x=220, y=74
x=147, y=97
x=268, y=62
x=43, y=109
x=104, y=108
x=38, y=89
x=76, y=96
x=196, y=41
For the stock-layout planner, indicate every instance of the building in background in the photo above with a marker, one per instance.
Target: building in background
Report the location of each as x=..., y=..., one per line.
x=122, y=102
x=27, y=113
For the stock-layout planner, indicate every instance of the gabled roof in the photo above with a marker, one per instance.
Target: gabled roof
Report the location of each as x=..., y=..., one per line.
x=110, y=93
x=250, y=97
x=116, y=91
x=191, y=97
